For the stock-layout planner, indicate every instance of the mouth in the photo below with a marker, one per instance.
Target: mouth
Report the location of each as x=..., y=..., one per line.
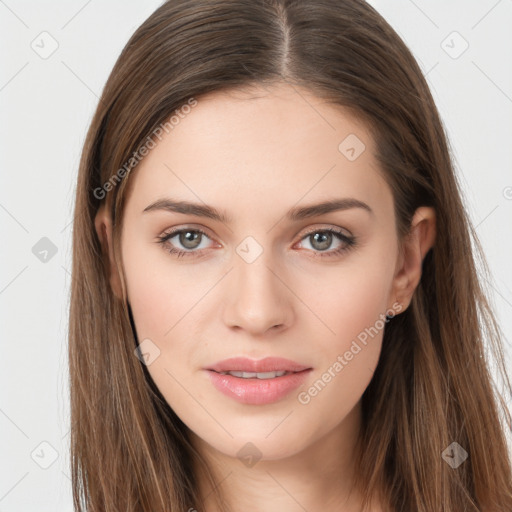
x=257, y=382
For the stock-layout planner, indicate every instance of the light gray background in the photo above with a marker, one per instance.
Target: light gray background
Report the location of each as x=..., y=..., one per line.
x=46, y=105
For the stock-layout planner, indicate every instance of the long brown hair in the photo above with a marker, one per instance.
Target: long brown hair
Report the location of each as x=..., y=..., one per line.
x=432, y=386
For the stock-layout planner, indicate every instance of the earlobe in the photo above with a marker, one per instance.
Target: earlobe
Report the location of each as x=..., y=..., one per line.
x=103, y=226
x=415, y=247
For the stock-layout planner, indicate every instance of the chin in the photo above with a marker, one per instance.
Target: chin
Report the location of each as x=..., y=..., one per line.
x=262, y=442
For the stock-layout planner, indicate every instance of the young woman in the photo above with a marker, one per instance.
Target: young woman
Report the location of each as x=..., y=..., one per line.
x=275, y=304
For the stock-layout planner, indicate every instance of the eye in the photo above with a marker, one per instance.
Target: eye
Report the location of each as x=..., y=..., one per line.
x=188, y=238
x=322, y=239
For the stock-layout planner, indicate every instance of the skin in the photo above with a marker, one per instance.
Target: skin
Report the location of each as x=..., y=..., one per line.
x=256, y=155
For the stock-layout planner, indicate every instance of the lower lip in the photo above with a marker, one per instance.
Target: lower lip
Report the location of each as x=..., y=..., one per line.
x=257, y=391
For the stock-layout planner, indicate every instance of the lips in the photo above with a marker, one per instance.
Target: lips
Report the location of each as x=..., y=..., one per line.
x=251, y=382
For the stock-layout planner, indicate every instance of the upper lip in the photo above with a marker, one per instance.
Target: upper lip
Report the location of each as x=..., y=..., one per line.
x=268, y=364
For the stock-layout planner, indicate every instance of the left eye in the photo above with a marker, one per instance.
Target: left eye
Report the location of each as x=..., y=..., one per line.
x=323, y=239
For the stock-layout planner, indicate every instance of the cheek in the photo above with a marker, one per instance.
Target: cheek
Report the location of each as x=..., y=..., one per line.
x=353, y=307
x=349, y=299
x=351, y=304
x=161, y=294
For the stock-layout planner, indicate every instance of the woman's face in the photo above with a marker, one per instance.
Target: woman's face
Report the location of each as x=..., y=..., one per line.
x=275, y=278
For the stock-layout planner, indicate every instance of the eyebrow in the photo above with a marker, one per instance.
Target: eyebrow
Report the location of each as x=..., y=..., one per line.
x=294, y=214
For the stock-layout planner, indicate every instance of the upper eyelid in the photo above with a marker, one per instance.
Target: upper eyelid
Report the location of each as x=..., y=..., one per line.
x=172, y=232
x=329, y=228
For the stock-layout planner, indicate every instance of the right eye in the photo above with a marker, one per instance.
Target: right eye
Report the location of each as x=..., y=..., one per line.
x=188, y=238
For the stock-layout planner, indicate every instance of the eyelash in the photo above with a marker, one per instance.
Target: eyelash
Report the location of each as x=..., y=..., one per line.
x=349, y=242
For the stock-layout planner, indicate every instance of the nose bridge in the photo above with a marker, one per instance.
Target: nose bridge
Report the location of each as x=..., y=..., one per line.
x=259, y=299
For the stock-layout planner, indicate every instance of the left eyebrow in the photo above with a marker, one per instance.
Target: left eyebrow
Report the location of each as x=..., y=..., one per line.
x=294, y=214
x=347, y=203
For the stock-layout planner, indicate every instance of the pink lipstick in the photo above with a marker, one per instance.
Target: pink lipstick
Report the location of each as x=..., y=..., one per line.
x=257, y=382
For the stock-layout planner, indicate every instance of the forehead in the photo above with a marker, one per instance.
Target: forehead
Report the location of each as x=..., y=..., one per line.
x=258, y=147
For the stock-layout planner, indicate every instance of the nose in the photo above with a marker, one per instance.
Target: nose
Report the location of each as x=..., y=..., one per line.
x=258, y=298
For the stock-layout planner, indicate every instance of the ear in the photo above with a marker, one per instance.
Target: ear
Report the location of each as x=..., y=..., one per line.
x=103, y=225
x=416, y=245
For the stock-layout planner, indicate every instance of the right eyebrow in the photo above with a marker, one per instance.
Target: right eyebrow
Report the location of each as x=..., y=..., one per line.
x=189, y=208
